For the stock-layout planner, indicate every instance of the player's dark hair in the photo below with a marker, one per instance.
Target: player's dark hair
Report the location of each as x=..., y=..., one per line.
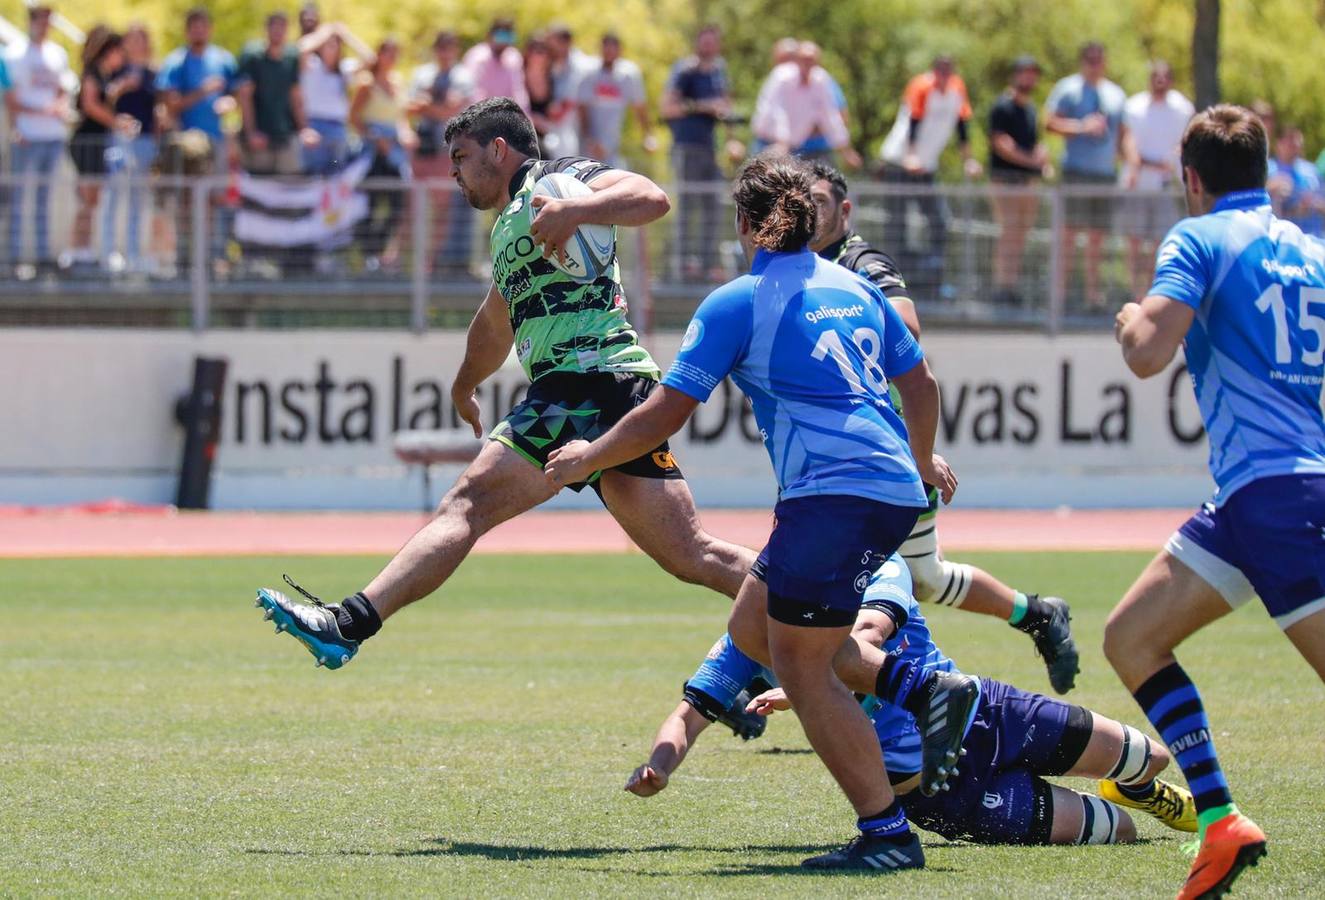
x=1227, y=147
x=822, y=171
x=496, y=117
x=772, y=195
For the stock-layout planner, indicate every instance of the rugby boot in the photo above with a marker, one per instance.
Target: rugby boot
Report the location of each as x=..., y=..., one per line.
x=1169, y=803
x=1229, y=846
x=312, y=623
x=868, y=853
x=943, y=717
x=1053, y=641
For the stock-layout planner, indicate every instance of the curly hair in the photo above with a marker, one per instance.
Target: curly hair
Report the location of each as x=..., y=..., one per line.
x=772, y=195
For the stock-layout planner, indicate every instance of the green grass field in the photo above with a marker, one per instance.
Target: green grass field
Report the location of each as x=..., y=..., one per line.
x=157, y=738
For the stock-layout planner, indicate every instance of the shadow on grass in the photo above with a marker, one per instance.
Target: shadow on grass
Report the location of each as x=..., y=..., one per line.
x=520, y=852
x=785, y=751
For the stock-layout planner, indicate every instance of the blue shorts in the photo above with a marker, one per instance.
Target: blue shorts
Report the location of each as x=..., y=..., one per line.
x=998, y=795
x=823, y=552
x=1267, y=539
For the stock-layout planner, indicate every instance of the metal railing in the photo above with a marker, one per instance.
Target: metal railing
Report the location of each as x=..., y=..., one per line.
x=215, y=252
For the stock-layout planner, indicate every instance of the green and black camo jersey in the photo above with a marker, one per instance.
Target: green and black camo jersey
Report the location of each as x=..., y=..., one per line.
x=560, y=324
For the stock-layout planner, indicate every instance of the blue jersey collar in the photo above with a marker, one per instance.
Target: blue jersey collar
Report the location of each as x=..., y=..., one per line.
x=764, y=257
x=1243, y=200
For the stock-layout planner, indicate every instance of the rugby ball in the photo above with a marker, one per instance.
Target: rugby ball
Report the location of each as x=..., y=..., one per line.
x=592, y=248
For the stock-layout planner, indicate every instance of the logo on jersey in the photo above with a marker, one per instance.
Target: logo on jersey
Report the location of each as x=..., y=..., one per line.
x=834, y=312
x=516, y=205
x=862, y=581
x=523, y=350
x=1304, y=272
x=992, y=801
x=664, y=460
x=694, y=334
x=890, y=569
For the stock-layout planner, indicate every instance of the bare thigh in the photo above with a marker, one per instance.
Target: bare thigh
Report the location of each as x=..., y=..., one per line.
x=659, y=515
x=1308, y=636
x=1165, y=605
x=748, y=624
x=1105, y=748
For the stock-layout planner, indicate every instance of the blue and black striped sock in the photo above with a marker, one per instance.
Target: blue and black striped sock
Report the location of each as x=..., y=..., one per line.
x=1174, y=707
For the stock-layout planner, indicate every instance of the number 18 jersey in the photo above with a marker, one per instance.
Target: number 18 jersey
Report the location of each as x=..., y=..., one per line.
x=1256, y=349
x=812, y=345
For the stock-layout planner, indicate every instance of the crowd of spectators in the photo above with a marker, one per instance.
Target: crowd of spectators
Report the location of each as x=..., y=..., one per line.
x=309, y=104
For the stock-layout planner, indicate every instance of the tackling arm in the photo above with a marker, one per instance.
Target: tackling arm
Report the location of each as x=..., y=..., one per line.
x=639, y=431
x=1151, y=331
x=675, y=737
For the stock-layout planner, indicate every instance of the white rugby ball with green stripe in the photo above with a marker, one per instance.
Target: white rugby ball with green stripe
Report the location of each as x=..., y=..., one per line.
x=592, y=248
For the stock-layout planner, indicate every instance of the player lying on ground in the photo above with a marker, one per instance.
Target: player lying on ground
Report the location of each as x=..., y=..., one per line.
x=999, y=796
x=814, y=346
x=937, y=580
x=1242, y=289
x=587, y=367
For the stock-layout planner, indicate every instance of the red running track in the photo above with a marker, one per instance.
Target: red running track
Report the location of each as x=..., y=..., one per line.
x=165, y=532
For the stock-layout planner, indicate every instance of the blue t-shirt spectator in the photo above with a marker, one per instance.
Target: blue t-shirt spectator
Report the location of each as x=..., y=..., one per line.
x=1306, y=186
x=1075, y=98
x=693, y=81
x=185, y=72
x=5, y=83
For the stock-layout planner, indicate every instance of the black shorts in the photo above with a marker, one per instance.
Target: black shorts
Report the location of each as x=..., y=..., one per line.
x=89, y=153
x=570, y=406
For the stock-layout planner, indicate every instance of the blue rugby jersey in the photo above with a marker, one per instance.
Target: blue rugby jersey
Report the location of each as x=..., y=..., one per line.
x=1256, y=349
x=813, y=346
x=726, y=671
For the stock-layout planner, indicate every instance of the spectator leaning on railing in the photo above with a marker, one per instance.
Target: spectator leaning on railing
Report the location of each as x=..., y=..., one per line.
x=439, y=90
x=379, y=112
x=797, y=105
x=934, y=106
x=133, y=150
x=497, y=67
x=613, y=86
x=271, y=102
x=1087, y=109
x=103, y=56
x=1155, y=121
x=37, y=103
x=695, y=100
x=196, y=80
x=1017, y=162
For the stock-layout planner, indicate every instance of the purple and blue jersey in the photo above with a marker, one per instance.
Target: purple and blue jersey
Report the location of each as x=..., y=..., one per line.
x=1256, y=348
x=726, y=671
x=813, y=346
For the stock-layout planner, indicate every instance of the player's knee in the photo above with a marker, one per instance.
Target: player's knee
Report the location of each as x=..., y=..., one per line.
x=1159, y=759
x=1120, y=641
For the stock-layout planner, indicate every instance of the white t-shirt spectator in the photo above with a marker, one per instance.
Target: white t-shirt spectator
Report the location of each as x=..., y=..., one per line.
x=1157, y=127
x=938, y=112
x=791, y=111
x=326, y=94
x=37, y=74
x=606, y=94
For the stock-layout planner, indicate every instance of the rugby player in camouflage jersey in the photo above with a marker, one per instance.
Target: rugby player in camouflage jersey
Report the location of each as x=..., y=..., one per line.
x=938, y=580
x=587, y=370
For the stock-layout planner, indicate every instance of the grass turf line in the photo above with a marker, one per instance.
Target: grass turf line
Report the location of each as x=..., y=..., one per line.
x=158, y=738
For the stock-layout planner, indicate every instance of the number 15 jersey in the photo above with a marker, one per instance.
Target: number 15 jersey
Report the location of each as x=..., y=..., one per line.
x=1256, y=349
x=812, y=345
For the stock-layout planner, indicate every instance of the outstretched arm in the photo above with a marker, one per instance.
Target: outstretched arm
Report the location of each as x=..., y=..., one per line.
x=639, y=431
x=675, y=736
x=486, y=347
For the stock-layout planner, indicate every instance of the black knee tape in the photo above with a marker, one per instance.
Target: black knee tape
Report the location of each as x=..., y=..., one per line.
x=1076, y=735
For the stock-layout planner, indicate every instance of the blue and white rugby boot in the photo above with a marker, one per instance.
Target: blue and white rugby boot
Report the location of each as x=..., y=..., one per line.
x=313, y=624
